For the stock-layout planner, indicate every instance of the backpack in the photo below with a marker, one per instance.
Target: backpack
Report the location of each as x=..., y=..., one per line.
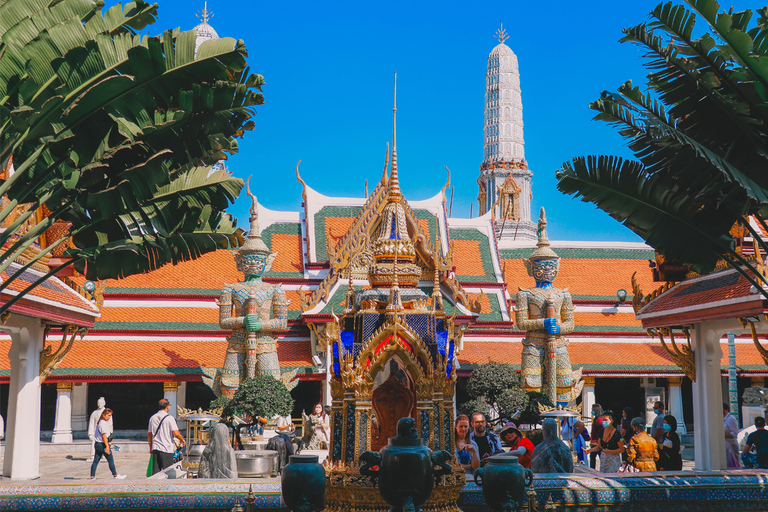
x=762, y=450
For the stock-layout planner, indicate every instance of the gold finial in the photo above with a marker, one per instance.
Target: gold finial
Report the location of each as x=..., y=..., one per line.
x=501, y=34
x=205, y=14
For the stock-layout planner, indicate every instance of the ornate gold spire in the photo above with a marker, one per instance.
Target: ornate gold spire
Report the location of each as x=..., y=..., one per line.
x=253, y=242
x=543, y=251
x=205, y=14
x=437, y=297
x=392, y=241
x=501, y=34
x=394, y=193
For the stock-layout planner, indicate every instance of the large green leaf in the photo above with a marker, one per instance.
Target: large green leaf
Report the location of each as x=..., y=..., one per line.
x=698, y=130
x=116, y=132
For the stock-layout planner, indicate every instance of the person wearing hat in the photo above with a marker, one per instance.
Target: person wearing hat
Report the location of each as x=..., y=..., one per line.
x=519, y=445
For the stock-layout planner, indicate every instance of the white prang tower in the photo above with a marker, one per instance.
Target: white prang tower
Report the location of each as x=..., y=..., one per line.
x=505, y=181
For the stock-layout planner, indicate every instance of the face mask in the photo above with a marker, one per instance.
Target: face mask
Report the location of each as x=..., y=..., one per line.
x=656, y=411
x=606, y=424
x=667, y=427
x=594, y=413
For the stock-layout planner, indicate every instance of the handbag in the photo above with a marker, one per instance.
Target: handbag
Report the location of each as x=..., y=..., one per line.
x=628, y=468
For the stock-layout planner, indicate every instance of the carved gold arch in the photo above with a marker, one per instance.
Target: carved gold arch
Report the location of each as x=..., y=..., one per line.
x=419, y=356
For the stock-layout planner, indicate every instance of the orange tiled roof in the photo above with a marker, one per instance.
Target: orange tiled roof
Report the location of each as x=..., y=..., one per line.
x=725, y=285
x=209, y=272
x=587, y=278
x=289, y=253
x=467, y=258
x=601, y=356
x=131, y=357
x=51, y=289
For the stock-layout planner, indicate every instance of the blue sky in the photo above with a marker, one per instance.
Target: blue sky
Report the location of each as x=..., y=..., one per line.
x=329, y=68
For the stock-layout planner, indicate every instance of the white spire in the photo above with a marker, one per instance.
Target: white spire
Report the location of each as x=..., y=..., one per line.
x=503, y=106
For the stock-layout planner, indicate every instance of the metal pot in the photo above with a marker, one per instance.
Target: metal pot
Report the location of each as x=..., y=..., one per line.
x=192, y=461
x=252, y=463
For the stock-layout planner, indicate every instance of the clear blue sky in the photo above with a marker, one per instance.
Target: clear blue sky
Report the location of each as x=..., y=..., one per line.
x=329, y=67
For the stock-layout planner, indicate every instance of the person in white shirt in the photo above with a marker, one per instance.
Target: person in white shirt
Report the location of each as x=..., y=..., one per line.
x=160, y=434
x=101, y=434
x=95, y=416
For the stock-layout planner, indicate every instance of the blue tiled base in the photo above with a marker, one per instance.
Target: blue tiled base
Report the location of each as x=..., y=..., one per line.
x=691, y=491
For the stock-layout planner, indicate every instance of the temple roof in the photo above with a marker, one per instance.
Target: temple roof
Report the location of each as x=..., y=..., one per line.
x=53, y=300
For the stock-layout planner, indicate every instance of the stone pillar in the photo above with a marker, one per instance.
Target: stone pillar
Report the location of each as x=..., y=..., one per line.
x=80, y=407
x=170, y=393
x=588, y=399
x=676, y=403
x=181, y=401
x=22, y=447
x=709, y=438
x=62, y=426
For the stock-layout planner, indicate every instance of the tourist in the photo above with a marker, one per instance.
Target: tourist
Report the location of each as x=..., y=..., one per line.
x=520, y=446
x=626, y=429
x=580, y=440
x=466, y=450
x=285, y=425
x=488, y=444
x=669, y=446
x=101, y=403
x=642, y=451
x=101, y=446
x=161, y=433
x=322, y=425
x=757, y=441
x=610, y=445
x=657, y=431
x=731, y=429
x=595, y=434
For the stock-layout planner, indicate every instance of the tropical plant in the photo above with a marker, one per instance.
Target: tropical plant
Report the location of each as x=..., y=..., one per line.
x=258, y=397
x=262, y=396
x=700, y=134
x=494, y=387
x=116, y=133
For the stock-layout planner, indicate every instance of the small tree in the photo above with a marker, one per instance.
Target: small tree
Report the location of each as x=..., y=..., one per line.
x=530, y=414
x=262, y=396
x=494, y=386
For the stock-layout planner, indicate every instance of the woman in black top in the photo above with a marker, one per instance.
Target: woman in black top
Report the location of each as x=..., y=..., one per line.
x=669, y=448
x=626, y=428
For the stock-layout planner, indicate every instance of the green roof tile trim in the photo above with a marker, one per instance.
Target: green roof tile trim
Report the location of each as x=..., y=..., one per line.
x=158, y=326
x=283, y=228
x=431, y=223
x=608, y=328
x=584, y=253
x=321, y=254
x=495, y=314
x=485, y=254
x=339, y=300
x=65, y=372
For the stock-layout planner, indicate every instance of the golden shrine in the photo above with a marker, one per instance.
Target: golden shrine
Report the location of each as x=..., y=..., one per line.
x=393, y=355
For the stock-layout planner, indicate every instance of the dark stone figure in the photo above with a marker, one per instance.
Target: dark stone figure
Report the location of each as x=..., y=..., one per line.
x=218, y=459
x=551, y=455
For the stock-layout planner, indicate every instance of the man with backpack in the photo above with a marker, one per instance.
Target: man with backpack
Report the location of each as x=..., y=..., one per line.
x=759, y=441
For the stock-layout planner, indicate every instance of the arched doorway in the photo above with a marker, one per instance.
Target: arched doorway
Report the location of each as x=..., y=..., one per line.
x=394, y=397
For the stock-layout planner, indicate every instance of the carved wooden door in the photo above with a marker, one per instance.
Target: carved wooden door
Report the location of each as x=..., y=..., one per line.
x=392, y=400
